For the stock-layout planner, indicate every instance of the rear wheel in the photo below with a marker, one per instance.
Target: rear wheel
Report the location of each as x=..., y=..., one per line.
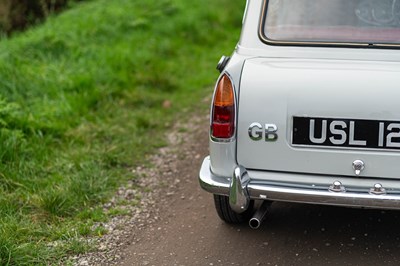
x=227, y=214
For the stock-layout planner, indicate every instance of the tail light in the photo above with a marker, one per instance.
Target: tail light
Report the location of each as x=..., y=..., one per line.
x=223, y=110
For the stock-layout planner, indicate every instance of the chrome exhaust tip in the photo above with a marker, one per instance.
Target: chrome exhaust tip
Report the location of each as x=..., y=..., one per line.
x=254, y=223
x=259, y=216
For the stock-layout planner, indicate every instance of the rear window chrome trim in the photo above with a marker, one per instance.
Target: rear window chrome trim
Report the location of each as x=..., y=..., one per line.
x=266, y=40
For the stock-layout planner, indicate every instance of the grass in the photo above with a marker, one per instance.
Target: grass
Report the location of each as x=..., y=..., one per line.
x=82, y=101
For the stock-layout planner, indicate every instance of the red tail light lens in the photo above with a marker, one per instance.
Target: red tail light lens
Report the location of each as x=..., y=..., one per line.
x=223, y=115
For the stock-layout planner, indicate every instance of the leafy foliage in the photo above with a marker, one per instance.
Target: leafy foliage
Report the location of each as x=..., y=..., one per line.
x=82, y=103
x=18, y=14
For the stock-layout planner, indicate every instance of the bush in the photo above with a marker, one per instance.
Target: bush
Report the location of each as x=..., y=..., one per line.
x=18, y=14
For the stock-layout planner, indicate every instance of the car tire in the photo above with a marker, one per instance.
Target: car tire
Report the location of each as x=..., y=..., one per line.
x=227, y=214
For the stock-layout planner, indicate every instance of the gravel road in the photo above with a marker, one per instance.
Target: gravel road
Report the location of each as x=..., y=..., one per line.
x=177, y=224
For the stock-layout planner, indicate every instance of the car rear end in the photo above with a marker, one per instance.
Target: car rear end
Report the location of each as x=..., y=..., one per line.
x=312, y=118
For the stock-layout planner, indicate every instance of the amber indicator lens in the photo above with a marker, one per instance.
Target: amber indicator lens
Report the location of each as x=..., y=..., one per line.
x=224, y=93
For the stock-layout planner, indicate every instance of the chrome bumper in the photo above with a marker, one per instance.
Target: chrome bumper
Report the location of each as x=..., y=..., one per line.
x=241, y=188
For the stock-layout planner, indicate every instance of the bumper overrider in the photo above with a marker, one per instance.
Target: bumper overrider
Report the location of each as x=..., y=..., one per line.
x=241, y=188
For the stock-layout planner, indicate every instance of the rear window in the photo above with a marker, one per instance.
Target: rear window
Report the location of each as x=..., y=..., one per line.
x=353, y=22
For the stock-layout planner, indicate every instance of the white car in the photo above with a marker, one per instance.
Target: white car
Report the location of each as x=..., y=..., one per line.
x=307, y=109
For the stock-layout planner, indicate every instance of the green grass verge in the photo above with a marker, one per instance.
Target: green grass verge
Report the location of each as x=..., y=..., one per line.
x=81, y=103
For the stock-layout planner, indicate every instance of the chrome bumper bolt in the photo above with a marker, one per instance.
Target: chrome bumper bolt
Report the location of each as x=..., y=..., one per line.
x=378, y=189
x=337, y=187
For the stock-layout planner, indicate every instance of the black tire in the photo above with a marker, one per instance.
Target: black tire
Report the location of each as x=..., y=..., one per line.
x=227, y=214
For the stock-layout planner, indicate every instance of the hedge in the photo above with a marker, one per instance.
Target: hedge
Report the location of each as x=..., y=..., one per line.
x=19, y=14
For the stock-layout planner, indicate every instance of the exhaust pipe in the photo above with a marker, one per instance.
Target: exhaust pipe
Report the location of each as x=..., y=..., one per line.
x=259, y=216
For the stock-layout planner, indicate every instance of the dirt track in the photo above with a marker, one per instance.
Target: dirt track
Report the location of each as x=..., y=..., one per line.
x=189, y=232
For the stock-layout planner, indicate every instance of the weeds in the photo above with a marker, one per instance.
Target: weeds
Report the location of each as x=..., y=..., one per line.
x=82, y=101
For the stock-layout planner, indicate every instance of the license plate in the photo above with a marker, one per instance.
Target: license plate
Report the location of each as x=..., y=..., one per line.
x=346, y=133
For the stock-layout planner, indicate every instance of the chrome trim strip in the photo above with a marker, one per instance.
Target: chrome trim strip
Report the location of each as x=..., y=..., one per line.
x=344, y=149
x=264, y=191
x=245, y=11
x=218, y=140
x=264, y=38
